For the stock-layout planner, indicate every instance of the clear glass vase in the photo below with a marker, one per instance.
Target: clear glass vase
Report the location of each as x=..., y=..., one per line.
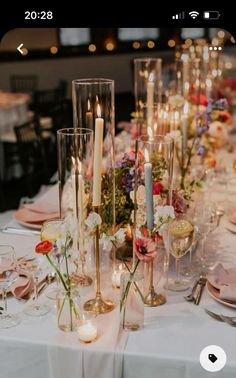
x=75, y=156
x=131, y=301
x=68, y=309
x=93, y=108
x=147, y=89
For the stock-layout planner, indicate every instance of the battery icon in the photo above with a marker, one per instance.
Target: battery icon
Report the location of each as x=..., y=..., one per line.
x=211, y=15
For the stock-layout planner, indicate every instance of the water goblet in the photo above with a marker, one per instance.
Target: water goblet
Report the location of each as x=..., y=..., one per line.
x=8, y=276
x=36, y=268
x=180, y=239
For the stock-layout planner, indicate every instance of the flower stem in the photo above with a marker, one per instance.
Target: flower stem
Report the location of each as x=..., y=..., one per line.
x=58, y=272
x=126, y=292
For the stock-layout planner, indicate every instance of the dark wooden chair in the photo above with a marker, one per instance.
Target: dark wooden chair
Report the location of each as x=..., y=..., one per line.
x=44, y=100
x=32, y=155
x=24, y=83
x=2, y=198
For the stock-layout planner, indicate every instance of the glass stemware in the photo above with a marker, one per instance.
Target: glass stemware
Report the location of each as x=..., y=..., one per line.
x=205, y=218
x=8, y=276
x=36, y=267
x=180, y=239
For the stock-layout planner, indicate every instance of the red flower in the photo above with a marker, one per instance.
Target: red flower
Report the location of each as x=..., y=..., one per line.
x=144, y=231
x=44, y=247
x=145, y=249
x=198, y=100
x=157, y=187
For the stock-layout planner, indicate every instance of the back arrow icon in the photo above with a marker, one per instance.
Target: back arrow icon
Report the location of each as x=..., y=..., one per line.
x=19, y=48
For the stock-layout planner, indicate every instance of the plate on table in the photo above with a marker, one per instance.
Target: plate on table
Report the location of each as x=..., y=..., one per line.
x=215, y=294
x=32, y=219
x=32, y=226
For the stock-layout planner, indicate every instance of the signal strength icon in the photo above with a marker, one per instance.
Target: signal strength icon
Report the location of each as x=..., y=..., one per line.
x=179, y=16
x=193, y=14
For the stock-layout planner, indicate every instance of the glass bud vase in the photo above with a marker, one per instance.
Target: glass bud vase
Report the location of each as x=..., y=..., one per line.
x=131, y=301
x=68, y=309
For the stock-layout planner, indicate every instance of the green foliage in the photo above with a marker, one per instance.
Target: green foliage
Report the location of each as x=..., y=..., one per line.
x=159, y=166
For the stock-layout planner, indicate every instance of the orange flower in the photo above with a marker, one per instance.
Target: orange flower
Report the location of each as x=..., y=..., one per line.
x=44, y=247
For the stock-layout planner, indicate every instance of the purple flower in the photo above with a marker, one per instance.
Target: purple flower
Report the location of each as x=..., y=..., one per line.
x=201, y=150
x=220, y=104
x=202, y=129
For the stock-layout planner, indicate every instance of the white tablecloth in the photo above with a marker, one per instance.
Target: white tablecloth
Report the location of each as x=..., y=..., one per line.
x=167, y=347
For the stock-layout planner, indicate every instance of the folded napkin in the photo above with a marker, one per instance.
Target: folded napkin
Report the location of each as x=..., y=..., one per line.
x=43, y=209
x=225, y=281
x=48, y=203
x=22, y=286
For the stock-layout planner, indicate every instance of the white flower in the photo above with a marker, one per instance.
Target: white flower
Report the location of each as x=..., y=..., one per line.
x=219, y=131
x=120, y=235
x=163, y=214
x=140, y=195
x=93, y=220
x=106, y=242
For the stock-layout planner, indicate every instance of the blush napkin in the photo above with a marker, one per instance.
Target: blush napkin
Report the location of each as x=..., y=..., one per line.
x=225, y=281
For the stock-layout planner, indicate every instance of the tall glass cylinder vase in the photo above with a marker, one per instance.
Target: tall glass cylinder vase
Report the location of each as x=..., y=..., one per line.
x=153, y=189
x=147, y=87
x=93, y=108
x=75, y=168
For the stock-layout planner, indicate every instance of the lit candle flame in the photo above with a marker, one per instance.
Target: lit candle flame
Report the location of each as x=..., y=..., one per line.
x=150, y=132
x=155, y=127
x=176, y=116
x=186, y=85
x=99, y=111
x=146, y=155
x=186, y=108
x=185, y=58
x=208, y=83
x=79, y=164
x=151, y=77
x=88, y=105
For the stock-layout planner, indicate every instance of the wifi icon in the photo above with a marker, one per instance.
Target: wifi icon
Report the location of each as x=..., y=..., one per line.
x=193, y=14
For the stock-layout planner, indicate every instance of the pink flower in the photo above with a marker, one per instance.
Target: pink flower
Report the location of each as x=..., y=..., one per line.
x=157, y=187
x=145, y=249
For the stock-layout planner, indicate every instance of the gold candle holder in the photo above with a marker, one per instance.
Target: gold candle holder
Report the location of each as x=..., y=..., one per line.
x=152, y=299
x=98, y=305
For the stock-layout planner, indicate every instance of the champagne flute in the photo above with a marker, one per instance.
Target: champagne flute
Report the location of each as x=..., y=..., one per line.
x=8, y=276
x=205, y=219
x=52, y=231
x=180, y=239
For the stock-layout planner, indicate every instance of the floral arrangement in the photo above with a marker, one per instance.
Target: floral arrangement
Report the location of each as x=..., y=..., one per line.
x=145, y=248
x=46, y=247
x=207, y=130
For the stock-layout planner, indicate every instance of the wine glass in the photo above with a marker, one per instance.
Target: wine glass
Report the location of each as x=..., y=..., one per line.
x=36, y=268
x=205, y=218
x=180, y=239
x=8, y=276
x=52, y=231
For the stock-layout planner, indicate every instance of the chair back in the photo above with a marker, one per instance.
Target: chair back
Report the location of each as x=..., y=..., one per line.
x=24, y=83
x=32, y=153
